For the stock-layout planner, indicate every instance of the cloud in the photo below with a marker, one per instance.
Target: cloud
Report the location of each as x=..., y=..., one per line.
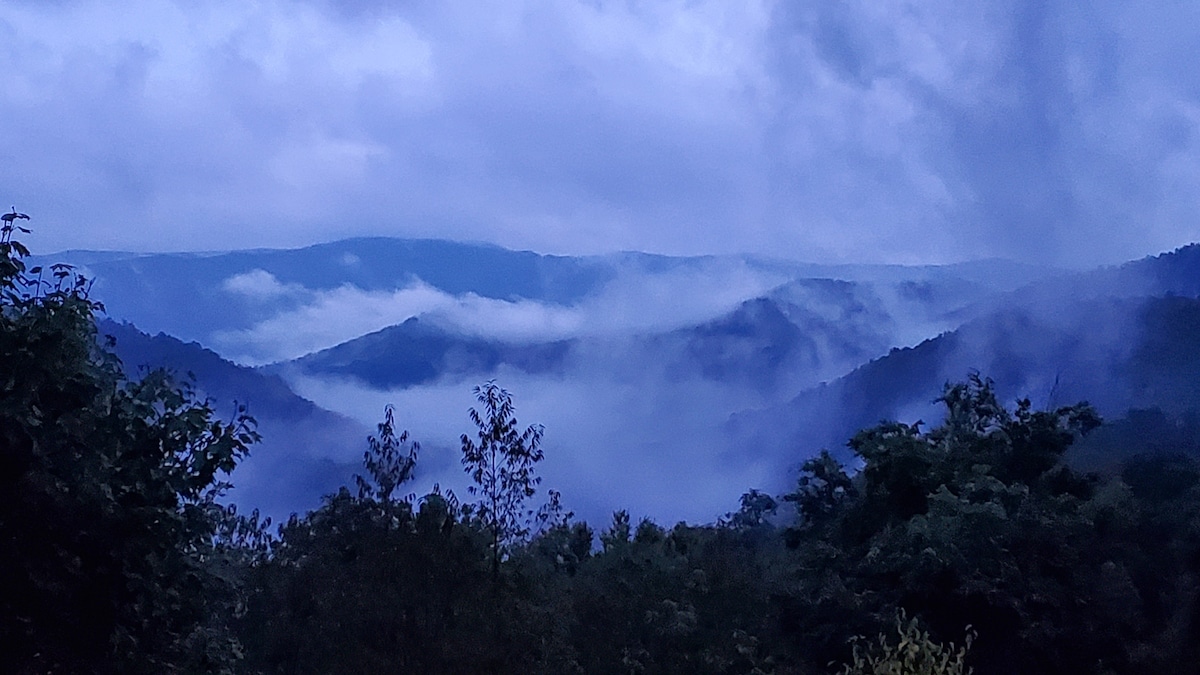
x=832, y=130
x=326, y=319
x=634, y=301
x=260, y=285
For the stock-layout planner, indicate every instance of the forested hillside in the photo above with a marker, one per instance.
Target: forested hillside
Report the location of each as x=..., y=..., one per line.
x=1118, y=353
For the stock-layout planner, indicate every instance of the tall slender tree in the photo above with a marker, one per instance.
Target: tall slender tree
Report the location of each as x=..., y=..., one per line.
x=501, y=464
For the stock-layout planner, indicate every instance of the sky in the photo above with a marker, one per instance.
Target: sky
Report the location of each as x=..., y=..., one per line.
x=1058, y=132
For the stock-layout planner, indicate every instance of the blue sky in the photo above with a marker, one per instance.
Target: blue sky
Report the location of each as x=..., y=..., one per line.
x=874, y=130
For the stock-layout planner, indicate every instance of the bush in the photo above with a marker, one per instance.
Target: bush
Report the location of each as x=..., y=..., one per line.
x=913, y=654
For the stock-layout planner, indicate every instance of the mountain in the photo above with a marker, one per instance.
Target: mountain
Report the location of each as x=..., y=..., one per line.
x=648, y=403
x=230, y=295
x=1116, y=353
x=632, y=361
x=797, y=334
x=810, y=330
x=306, y=450
x=149, y=289
x=417, y=352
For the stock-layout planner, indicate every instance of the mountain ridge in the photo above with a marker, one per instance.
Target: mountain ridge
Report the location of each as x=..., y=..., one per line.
x=758, y=385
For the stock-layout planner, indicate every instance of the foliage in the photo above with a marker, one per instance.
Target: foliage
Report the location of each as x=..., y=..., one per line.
x=356, y=588
x=823, y=485
x=361, y=586
x=501, y=463
x=109, y=526
x=977, y=521
x=371, y=583
x=973, y=522
x=914, y=653
x=682, y=600
x=390, y=459
x=756, y=508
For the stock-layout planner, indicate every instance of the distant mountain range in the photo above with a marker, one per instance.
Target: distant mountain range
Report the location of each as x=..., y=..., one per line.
x=149, y=289
x=794, y=335
x=233, y=291
x=766, y=360
x=1120, y=338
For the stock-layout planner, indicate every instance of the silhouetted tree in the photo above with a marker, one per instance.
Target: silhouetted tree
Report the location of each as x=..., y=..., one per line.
x=976, y=521
x=389, y=459
x=108, y=522
x=500, y=462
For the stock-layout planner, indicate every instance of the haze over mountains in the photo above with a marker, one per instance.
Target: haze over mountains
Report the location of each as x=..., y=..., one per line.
x=693, y=379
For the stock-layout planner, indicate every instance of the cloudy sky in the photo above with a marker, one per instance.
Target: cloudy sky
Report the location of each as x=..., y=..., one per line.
x=848, y=130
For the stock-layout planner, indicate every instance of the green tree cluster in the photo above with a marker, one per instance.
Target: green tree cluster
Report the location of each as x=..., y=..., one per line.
x=501, y=464
x=110, y=554
x=368, y=583
x=978, y=522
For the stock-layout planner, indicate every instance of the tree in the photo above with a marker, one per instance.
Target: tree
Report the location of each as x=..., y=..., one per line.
x=976, y=521
x=390, y=459
x=501, y=464
x=823, y=485
x=360, y=586
x=108, y=521
x=691, y=599
x=376, y=582
x=756, y=508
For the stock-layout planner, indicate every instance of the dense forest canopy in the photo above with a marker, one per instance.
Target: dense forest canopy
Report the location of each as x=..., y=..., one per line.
x=971, y=544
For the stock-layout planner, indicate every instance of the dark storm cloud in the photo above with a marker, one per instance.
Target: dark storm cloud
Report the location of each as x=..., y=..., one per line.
x=1057, y=131
x=827, y=130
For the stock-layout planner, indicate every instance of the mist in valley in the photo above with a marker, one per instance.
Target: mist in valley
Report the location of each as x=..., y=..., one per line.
x=638, y=401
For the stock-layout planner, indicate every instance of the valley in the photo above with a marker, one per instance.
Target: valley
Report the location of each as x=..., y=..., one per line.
x=686, y=376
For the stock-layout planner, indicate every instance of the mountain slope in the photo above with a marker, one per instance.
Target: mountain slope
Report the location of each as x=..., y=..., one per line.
x=149, y=289
x=306, y=451
x=1117, y=354
x=416, y=352
x=797, y=334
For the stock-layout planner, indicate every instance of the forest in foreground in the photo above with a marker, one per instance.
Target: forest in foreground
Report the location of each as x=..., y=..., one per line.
x=966, y=546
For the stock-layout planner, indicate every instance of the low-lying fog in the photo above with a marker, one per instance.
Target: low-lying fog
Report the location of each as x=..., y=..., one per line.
x=654, y=448
x=629, y=422
x=636, y=407
x=632, y=301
